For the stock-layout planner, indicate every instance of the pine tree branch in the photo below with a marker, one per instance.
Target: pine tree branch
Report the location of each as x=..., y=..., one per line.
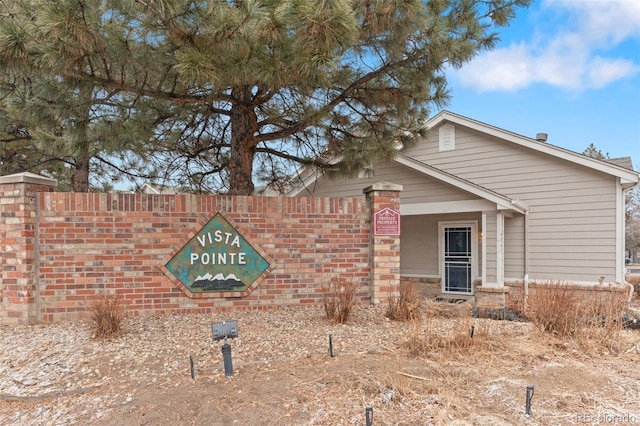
x=206, y=100
x=316, y=161
x=120, y=169
x=309, y=120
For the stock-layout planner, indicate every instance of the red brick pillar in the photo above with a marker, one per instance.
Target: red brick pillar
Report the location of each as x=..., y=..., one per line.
x=383, y=200
x=18, y=268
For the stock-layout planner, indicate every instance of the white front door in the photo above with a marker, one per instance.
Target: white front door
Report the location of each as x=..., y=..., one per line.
x=458, y=245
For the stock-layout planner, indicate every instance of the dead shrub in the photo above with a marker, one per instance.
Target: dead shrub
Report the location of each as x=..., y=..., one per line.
x=553, y=307
x=406, y=306
x=634, y=280
x=107, y=315
x=420, y=343
x=445, y=309
x=454, y=333
x=601, y=321
x=338, y=299
x=593, y=319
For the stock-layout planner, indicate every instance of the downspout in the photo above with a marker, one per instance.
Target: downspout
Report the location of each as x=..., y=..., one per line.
x=624, y=245
x=526, y=261
x=620, y=236
x=526, y=250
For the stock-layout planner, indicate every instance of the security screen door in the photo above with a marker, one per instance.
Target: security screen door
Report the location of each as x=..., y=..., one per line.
x=457, y=259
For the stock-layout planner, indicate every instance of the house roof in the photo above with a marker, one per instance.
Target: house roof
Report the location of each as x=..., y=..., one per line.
x=619, y=167
x=148, y=188
x=624, y=162
x=628, y=177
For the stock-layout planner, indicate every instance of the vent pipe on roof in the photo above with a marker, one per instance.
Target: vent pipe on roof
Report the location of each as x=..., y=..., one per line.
x=541, y=137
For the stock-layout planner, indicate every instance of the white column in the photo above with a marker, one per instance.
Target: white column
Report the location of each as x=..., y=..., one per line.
x=499, y=249
x=484, y=248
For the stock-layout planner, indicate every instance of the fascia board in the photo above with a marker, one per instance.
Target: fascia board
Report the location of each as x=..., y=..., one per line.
x=626, y=184
x=465, y=206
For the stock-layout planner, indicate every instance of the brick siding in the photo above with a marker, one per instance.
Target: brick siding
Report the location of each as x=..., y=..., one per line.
x=92, y=244
x=80, y=246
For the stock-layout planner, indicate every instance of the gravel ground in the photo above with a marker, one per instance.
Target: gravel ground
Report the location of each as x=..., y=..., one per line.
x=44, y=361
x=57, y=374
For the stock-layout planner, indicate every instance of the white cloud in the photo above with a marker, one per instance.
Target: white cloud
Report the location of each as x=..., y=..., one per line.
x=601, y=71
x=578, y=55
x=510, y=69
x=604, y=22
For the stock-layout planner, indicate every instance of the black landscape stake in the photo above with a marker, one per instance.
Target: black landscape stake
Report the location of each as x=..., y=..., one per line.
x=368, y=412
x=226, y=357
x=330, y=346
x=191, y=366
x=527, y=404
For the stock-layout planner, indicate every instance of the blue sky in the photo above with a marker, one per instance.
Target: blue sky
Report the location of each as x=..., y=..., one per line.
x=569, y=68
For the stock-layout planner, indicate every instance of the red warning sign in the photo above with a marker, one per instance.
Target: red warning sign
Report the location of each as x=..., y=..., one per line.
x=386, y=222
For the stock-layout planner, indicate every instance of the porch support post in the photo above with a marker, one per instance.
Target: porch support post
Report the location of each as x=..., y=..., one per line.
x=492, y=292
x=18, y=243
x=384, y=258
x=485, y=235
x=499, y=249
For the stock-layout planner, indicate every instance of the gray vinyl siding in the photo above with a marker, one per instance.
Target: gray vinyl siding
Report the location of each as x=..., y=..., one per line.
x=489, y=234
x=419, y=246
x=417, y=188
x=514, y=248
x=572, y=208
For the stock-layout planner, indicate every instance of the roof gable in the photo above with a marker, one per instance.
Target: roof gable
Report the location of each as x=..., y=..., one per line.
x=627, y=177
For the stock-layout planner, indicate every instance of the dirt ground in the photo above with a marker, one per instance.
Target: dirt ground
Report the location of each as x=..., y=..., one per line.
x=284, y=374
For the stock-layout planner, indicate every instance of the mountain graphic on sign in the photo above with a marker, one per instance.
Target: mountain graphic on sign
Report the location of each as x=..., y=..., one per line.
x=217, y=282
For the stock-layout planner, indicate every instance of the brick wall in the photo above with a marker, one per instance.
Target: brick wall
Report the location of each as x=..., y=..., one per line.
x=87, y=245
x=516, y=291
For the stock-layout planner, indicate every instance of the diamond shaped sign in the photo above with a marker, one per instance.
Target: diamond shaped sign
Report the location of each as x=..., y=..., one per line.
x=217, y=259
